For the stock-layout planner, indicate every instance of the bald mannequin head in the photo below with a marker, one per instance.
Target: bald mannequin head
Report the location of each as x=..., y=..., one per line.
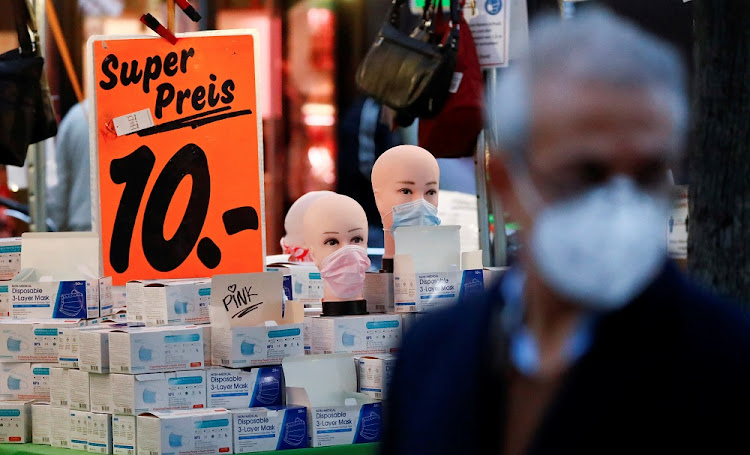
x=403, y=174
x=332, y=222
x=293, y=223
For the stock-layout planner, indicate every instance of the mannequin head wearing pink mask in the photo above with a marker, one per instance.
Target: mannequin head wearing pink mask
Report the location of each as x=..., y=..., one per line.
x=335, y=229
x=401, y=175
x=293, y=243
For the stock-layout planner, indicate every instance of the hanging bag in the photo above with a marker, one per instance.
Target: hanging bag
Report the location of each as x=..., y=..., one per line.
x=26, y=112
x=409, y=73
x=453, y=132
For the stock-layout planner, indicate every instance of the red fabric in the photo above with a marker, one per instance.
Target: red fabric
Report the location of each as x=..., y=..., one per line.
x=453, y=133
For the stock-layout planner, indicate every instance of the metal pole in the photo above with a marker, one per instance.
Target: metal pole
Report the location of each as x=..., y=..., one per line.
x=480, y=167
x=36, y=158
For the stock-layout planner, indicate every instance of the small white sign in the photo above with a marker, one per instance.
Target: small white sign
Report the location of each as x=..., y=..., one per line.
x=136, y=121
x=247, y=299
x=488, y=22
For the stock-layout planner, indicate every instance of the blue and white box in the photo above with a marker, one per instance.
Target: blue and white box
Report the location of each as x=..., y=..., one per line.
x=79, y=430
x=232, y=388
x=99, y=433
x=177, y=302
x=136, y=350
x=375, y=373
x=240, y=347
x=31, y=340
x=302, y=282
x=359, y=335
x=136, y=394
x=206, y=431
x=326, y=385
x=123, y=435
x=10, y=258
x=15, y=422
x=24, y=381
x=32, y=298
x=269, y=428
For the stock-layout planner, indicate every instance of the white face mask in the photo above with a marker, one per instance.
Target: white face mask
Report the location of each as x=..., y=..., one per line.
x=601, y=248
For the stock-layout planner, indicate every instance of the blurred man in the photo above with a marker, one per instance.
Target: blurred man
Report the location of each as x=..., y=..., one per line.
x=595, y=343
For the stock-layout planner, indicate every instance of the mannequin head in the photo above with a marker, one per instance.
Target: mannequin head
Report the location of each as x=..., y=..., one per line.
x=402, y=174
x=331, y=223
x=293, y=243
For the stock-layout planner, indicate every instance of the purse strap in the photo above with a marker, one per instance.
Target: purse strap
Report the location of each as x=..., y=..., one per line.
x=28, y=38
x=394, y=17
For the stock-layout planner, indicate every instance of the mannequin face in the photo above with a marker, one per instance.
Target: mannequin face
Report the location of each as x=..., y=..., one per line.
x=332, y=222
x=293, y=223
x=404, y=174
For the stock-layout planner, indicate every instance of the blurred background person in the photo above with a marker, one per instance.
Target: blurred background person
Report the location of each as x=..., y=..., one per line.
x=594, y=342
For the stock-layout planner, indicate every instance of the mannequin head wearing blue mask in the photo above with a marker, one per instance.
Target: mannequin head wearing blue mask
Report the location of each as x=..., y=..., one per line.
x=586, y=130
x=405, y=181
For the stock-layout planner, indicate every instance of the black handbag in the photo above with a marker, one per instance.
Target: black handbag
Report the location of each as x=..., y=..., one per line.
x=411, y=74
x=26, y=112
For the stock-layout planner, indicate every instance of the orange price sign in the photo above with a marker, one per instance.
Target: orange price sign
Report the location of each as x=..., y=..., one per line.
x=176, y=155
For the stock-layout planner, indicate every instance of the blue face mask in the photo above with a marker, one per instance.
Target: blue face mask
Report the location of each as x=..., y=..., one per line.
x=296, y=432
x=14, y=383
x=347, y=339
x=370, y=429
x=144, y=354
x=180, y=307
x=149, y=396
x=175, y=440
x=13, y=345
x=247, y=348
x=414, y=213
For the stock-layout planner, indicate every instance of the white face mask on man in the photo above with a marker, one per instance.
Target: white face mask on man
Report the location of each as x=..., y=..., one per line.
x=600, y=248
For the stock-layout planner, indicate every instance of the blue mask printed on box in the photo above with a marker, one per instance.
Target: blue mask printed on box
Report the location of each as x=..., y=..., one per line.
x=370, y=426
x=149, y=396
x=180, y=307
x=72, y=303
x=414, y=213
x=14, y=383
x=175, y=440
x=268, y=391
x=295, y=432
x=144, y=354
x=247, y=348
x=13, y=344
x=347, y=339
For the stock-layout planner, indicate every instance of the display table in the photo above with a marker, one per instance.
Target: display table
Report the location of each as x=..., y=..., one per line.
x=356, y=449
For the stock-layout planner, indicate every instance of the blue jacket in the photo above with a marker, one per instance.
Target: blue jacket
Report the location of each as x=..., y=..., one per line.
x=669, y=373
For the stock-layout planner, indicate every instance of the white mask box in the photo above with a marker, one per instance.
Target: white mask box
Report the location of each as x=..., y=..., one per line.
x=375, y=374
x=41, y=423
x=4, y=300
x=134, y=300
x=268, y=429
x=138, y=350
x=359, y=335
x=99, y=433
x=79, y=430
x=24, y=381
x=15, y=422
x=207, y=361
x=302, y=282
x=177, y=302
x=61, y=430
x=378, y=292
x=95, y=357
x=240, y=347
x=31, y=340
x=206, y=431
x=10, y=258
x=232, y=388
x=59, y=387
x=123, y=435
x=100, y=386
x=80, y=390
x=32, y=298
x=141, y=393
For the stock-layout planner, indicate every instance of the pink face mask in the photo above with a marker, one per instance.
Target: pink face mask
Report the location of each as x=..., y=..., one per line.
x=344, y=271
x=296, y=253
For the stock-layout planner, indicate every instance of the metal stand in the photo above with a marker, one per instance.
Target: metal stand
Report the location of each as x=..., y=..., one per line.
x=36, y=158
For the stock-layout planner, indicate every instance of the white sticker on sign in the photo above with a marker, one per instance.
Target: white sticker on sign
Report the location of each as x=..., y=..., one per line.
x=489, y=23
x=130, y=123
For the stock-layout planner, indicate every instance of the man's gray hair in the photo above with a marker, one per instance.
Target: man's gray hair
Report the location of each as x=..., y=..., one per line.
x=594, y=46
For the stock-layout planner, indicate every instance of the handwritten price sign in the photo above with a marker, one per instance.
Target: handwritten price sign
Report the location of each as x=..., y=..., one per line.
x=176, y=159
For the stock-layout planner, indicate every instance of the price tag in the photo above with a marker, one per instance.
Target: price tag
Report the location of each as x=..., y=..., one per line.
x=176, y=155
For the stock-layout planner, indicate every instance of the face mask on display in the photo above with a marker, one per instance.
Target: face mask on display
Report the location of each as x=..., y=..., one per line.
x=344, y=271
x=414, y=213
x=600, y=248
x=296, y=253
